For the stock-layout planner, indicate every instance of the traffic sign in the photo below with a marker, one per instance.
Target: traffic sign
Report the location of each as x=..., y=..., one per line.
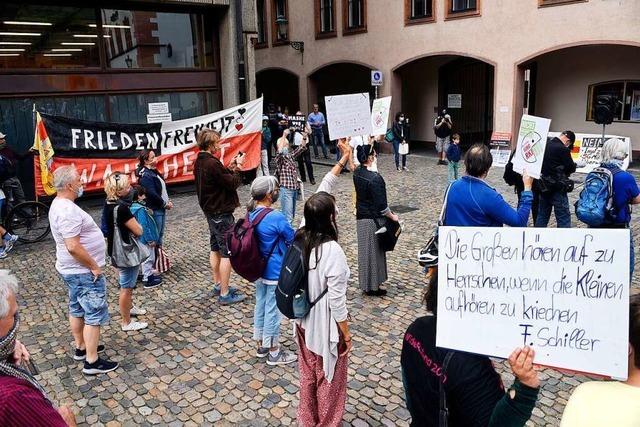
x=376, y=78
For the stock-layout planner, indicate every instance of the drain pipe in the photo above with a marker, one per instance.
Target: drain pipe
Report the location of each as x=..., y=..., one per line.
x=242, y=81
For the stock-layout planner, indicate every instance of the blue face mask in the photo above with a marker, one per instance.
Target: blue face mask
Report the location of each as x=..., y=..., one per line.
x=80, y=191
x=284, y=151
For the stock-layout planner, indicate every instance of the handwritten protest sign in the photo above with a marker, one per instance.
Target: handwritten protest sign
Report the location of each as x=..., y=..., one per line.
x=297, y=123
x=565, y=292
x=588, y=149
x=380, y=115
x=348, y=115
x=532, y=141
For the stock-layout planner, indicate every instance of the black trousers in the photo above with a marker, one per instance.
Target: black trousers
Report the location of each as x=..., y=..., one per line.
x=305, y=159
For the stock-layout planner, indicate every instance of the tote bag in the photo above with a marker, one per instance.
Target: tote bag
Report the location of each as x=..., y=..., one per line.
x=163, y=264
x=404, y=148
x=126, y=254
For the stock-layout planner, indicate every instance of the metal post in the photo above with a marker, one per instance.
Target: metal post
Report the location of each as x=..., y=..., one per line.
x=376, y=89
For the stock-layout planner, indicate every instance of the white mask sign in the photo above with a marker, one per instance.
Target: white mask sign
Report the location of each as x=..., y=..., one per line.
x=532, y=141
x=564, y=292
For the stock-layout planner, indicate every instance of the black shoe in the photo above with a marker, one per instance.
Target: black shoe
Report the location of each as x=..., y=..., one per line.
x=82, y=354
x=376, y=293
x=152, y=282
x=100, y=366
x=313, y=182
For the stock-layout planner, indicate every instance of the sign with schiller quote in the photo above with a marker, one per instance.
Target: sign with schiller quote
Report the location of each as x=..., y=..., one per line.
x=564, y=292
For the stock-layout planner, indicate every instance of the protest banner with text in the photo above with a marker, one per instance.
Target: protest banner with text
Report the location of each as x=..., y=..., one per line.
x=96, y=149
x=564, y=292
x=588, y=149
x=348, y=115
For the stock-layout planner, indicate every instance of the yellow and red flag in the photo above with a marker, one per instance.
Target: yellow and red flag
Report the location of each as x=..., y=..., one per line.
x=42, y=145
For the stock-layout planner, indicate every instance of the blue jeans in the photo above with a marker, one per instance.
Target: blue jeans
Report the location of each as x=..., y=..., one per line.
x=396, y=153
x=288, y=203
x=559, y=202
x=453, y=170
x=128, y=277
x=158, y=216
x=266, y=317
x=88, y=299
x=317, y=138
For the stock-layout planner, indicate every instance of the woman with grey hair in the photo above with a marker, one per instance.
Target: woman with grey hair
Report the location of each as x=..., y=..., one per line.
x=275, y=235
x=625, y=189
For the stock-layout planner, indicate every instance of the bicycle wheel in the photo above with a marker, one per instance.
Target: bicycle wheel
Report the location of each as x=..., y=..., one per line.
x=29, y=221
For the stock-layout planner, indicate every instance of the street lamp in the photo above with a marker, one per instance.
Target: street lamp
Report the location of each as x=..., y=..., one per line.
x=283, y=30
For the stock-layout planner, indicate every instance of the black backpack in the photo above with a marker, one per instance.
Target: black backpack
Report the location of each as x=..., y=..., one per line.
x=292, y=292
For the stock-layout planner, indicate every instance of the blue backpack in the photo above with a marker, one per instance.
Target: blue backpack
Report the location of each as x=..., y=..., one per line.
x=594, y=206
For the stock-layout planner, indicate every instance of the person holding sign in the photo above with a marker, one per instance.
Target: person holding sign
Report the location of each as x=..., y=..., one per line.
x=554, y=181
x=300, y=136
x=371, y=208
x=472, y=202
x=610, y=403
x=465, y=383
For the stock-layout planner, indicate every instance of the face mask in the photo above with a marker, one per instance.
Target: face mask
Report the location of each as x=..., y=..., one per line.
x=615, y=162
x=275, y=196
x=80, y=191
x=8, y=342
x=284, y=151
x=373, y=167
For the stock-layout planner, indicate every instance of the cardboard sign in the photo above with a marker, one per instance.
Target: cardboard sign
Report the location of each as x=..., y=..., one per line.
x=500, y=148
x=297, y=123
x=532, y=141
x=348, y=115
x=564, y=292
x=588, y=149
x=380, y=115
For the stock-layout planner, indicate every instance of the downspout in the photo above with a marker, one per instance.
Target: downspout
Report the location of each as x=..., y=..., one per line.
x=242, y=82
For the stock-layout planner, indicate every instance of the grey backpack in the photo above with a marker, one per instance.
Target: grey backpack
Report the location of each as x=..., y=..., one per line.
x=126, y=254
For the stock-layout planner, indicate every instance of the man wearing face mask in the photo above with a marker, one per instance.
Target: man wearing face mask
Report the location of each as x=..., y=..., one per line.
x=23, y=401
x=287, y=175
x=80, y=258
x=371, y=207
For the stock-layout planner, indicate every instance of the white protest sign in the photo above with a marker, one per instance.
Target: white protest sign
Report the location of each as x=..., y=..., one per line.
x=380, y=115
x=532, y=141
x=348, y=115
x=159, y=118
x=564, y=292
x=588, y=149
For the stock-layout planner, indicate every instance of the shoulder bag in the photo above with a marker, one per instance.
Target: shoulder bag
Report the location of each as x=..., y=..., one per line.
x=126, y=254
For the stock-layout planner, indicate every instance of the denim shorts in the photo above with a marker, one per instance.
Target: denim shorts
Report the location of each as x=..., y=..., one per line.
x=88, y=299
x=219, y=226
x=128, y=277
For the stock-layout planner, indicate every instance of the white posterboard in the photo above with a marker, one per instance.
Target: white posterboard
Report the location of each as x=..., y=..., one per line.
x=532, y=141
x=348, y=115
x=158, y=107
x=564, y=292
x=159, y=118
x=380, y=115
x=588, y=149
x=454, y=100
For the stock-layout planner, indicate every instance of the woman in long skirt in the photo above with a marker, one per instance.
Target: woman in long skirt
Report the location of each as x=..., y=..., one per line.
x=371, y=210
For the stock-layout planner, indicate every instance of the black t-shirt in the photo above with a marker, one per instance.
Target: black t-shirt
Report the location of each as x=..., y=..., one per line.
x=472, y=385
x=443, y=131
x=124, y=215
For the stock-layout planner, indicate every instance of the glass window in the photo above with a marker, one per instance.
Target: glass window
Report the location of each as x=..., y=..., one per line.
x=326, y=16
x=133, y=108
x=355, y=14
x=463, y=5
x=421, y=9
x=262, y=29
x=143, y=39
x=45, y=36
x=627, y=94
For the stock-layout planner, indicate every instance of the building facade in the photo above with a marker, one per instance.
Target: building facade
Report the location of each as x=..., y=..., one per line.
x=107, y=61
x=489, y=61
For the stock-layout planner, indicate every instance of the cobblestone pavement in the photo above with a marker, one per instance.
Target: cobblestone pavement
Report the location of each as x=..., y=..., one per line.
x=195, y=364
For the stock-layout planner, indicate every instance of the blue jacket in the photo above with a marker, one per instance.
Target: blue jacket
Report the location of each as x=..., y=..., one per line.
x=150, y=180
x=274, y=229
x=454, y=153
x=471, y=202
x=146, y=221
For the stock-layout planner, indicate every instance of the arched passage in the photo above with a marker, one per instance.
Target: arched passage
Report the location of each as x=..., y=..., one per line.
x=463, y=85
x=339, y=79
x=280, y=87
x=562, y=85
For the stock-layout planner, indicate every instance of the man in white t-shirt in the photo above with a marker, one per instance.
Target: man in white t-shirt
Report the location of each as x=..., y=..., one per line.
x=610, y=403
x=80, y=257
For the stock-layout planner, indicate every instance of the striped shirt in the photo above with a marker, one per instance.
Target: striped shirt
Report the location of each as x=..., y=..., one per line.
x=23, y=405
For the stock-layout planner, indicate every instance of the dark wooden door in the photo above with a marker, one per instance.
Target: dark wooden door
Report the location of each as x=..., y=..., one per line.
x=473, y=80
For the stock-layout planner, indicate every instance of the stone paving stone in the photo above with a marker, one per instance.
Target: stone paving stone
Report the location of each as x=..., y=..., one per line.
x=196, y=364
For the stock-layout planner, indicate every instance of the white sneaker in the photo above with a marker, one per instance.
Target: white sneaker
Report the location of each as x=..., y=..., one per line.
x=134, y=326
x=137, y=311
